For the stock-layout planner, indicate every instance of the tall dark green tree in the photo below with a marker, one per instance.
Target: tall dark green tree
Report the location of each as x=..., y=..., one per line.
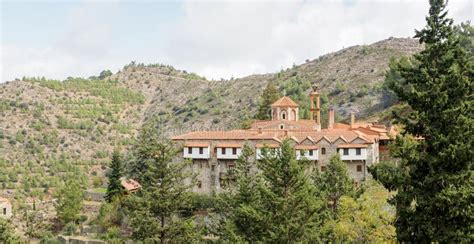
x=238, y=225
x=335, y=182
x=156, y=211
x=282, y=207
x=269, y=96
x=114, y=188
x=434, y=177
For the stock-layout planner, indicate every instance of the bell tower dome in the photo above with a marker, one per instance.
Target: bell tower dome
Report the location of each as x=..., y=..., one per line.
x=285, y=109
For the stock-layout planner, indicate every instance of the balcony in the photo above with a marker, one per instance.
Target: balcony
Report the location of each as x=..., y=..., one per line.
x=196, y=151
x=353, y=151
x=228, y=151
x=311, y=154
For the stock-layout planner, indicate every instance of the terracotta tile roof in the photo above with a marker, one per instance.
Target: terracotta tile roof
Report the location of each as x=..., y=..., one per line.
x=228, y=145
x=277, y=135
x=196, y=144
x=285, y=102
x=299, y=125
x=130, y=185
x=352, y=145
x=269, y=145
x=306, y=147
x=4, y=200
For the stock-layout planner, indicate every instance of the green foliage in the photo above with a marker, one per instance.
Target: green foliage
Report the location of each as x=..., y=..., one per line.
x=269, y=96
x=114, y=188
x=69, y=205
x=280, y=205
x=335, y=182
x=368, y=218
x=107, y=89
x=154, y=211
x=7, y=233
x=110, y=214
x=435, y=177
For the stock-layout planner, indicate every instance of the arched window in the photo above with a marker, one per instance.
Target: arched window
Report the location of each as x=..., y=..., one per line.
x=282, y=127
x=283, y=115
x=293, y=113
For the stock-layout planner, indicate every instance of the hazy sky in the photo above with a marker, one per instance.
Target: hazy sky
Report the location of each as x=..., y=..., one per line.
x=216, y=39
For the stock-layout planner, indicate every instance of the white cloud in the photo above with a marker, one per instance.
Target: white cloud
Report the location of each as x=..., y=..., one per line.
x=225, y=39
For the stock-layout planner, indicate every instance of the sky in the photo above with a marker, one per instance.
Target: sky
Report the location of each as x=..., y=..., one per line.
x=216, y=39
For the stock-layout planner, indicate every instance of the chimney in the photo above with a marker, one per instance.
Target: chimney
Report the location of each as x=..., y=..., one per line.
x=353, y=118
x=260, y=130
x=331, y=118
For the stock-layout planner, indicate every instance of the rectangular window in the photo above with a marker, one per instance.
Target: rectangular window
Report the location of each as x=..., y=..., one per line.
x=223, y=151
x=234, y=151
x=4, y=211
x=231, y=166
x=190, y=150
x=358, y=151
x=323, y=168
x=213, y=167
x=310, y=152
x=201, y=150
x=302, y=152
x=346, y=151
x=323, y=150
x=359, y=168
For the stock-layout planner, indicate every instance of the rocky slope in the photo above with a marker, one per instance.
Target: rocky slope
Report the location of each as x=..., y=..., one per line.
x=50, y=130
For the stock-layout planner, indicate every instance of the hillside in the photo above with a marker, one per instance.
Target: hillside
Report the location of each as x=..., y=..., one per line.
x=51, y=130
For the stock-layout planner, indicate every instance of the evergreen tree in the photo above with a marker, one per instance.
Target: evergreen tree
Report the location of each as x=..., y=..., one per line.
x=155, y=211
x=238, y=225
x=70, y=201
x=434, y=176
x=269, y=96
x=115, y=188
x=335, y=182
x=283, y=207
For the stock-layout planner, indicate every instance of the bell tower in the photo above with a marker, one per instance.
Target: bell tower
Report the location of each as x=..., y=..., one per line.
x=315, y=106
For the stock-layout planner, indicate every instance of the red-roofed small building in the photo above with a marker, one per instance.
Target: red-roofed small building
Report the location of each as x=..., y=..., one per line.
x=130, y=185
x=214, y=153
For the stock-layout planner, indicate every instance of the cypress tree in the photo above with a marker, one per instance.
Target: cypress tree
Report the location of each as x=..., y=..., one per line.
x=434, y=176
x=114, y=188
x=269, y=96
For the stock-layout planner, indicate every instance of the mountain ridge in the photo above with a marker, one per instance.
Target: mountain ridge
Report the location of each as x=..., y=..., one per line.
x=64, y=127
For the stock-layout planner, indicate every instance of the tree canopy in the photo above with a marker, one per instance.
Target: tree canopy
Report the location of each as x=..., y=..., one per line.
x=434, y=175
x=269, y=96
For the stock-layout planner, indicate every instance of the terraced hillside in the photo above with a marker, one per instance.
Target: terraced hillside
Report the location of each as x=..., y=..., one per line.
x=51, y=130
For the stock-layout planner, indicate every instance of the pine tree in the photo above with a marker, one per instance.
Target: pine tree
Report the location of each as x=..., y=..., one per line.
x=269, y=96
x=335, y=182
x=155, y=211
x=434, y=176
x=283, y=206
x=237, y=224
x=114, y=188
